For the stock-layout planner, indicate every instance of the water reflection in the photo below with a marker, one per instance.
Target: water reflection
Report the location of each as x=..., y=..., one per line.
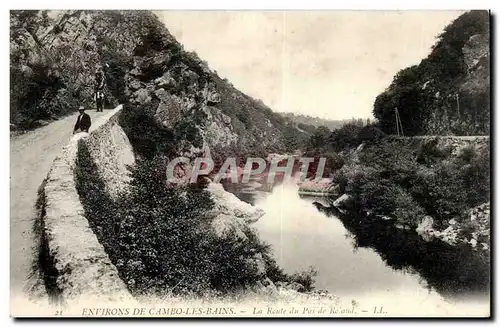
x=361, y=259
x=452, y=271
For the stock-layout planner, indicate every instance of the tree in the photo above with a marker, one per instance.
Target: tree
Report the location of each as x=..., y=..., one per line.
x=319, y=137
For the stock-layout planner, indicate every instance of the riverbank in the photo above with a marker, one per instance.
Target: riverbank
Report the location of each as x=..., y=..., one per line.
x=362, y=261
x=436, y=187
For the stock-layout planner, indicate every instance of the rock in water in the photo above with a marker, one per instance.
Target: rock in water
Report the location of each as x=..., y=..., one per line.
x=425, y=228
x=339, y=203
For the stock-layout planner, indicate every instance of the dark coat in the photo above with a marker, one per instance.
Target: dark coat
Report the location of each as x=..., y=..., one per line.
x=99, y=81
x=83, y=122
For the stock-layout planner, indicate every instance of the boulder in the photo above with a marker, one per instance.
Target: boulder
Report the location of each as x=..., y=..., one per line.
x=154, y=65
x=168, y=112
x=224, y=225
x=294, y=286
x=213, y=98
x=402, y=226
x=425, y=229
x=142, y=96
x=228, y=204
x=134, y=85
x=135, y=72
x=225, y=119
x=259, y=263
x=473, y=242
x=340, y=201
x=162, y=94
x=166, y=81
x=160, y=82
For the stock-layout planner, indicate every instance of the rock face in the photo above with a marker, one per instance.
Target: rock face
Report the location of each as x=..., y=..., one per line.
x=452, y=85
x=425, y=228
x=146, y=67
x=231, y=216
x=477, y=53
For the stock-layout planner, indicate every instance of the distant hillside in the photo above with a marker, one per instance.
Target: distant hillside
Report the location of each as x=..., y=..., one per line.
x=448, y=93
x=314, y=121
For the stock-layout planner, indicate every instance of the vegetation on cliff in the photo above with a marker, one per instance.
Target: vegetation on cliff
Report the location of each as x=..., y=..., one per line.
x=407, y=180
x=160, y=238
x=448, y=93
x=54, y=56
x=309, y=123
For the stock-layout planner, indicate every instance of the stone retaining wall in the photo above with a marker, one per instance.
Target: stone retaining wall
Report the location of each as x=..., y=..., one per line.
x=83, y=271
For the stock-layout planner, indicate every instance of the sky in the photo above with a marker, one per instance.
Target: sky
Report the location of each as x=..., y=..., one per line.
x=329, y=64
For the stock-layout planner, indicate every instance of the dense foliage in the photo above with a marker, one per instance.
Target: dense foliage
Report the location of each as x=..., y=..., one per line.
x=333, y=145
x=306, y=122
x=160, y=238
x=52, y=67
x=448, y=92
x=406, y=182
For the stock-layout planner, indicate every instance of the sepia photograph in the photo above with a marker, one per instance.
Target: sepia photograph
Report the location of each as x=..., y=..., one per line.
x=250, y=164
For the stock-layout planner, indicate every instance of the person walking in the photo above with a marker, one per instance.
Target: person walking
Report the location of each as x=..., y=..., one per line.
x=83, y=121
x=99, y=90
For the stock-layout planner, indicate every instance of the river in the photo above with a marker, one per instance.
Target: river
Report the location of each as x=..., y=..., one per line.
x=371, y=263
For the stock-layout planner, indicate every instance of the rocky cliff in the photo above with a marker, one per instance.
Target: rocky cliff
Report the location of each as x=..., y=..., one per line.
x=170, y=95
x=447, y=93
x=58, y=52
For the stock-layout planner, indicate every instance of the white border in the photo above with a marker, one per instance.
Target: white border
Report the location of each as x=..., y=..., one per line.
x=191, y=5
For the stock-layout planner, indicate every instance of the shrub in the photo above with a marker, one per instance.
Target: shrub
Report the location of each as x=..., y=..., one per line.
x=467, y=154
x=346, y=136
x=119, y=64
x=276, y=274
x=187, y=130
x=37, y=93
x=160, y=238
x=393, y=162
x=429, y=153
x=334, y=161
x=340, y=179
x=440, y=191
x=397, y=179
x=305, y=278
x=147, y=137
x=370, y=134
x=476, y=176
x=319, y=138
x=388, y=199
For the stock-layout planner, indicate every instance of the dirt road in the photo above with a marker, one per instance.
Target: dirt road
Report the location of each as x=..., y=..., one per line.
x=31, y=156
